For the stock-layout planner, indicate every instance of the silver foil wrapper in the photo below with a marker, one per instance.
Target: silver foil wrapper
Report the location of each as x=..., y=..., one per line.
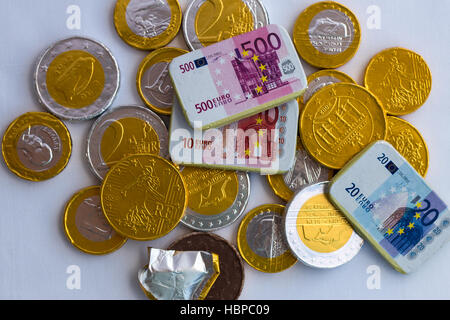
x=178, y=275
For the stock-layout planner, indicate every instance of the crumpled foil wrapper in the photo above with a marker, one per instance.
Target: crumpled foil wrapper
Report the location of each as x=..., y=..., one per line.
x=179, y=275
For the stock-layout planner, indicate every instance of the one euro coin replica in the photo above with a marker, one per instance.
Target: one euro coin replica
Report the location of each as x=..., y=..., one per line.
x=122, y=132
x=153, y=80
x=339, y=121
x=76, y=78
x=147, y=24
x=36, y=146
x=317, y=233
x=143, y=197
x=261, y=241
x=327, y=35
x=85, y=224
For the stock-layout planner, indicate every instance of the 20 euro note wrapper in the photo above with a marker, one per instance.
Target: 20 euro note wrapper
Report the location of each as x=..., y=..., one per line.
x=392, y=206
x=264, y=143
x=238, y=77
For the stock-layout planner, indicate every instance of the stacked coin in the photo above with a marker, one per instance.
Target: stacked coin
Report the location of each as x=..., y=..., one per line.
x=143, y=195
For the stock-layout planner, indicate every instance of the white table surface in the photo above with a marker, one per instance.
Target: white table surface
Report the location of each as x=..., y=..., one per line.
x=35, y=255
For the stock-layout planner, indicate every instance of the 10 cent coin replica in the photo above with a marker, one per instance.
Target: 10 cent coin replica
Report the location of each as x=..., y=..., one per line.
x=210, y=21
x=76, y=78
x=409, y=142
x=122, y=132
x=400, y=79
x=228, y=285
x=217, y=198
x=153, y=81
x=318, y=233
x=327, y=34
x=305, y=171
x=339, y=121
x=261, y=242
x=147, y=24
x=36, y=146
x=85, y=224
x=143, y=197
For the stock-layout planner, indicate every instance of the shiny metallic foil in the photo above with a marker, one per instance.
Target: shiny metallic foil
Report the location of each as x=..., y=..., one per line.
x=179, y=275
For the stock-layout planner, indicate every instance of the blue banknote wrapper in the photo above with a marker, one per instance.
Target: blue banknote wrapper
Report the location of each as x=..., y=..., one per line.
x=392, y=206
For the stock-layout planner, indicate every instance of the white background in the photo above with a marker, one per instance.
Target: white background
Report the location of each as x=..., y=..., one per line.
x=34, y=252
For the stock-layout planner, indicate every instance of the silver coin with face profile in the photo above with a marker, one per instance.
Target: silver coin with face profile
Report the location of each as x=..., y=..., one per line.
x=125, y=131
x=76, y=78
x=39, y=148
x=257, y=9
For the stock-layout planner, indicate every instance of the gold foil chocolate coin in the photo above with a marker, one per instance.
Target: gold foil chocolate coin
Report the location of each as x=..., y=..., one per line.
x=261, y=242
x=147, y=24
x=317, y=232
x=36, y=146
x=327, y=34
x=409, y=142
x=153, y=80
x=143, y=197
x=339, y=121
x=400, y=79
x=85, y=224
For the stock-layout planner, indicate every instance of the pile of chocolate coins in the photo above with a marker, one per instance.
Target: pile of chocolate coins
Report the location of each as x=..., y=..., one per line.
x=239, y=102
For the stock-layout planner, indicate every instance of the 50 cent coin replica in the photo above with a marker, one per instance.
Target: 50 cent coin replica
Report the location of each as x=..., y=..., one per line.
x=400, y=79
x=143, y=197
x=210, y=21
x=153, y=81
x=217, y=198
x=77, y=78
x=147, y=24
x=261, y=242
x=228, y=285
x=86, y=226
x=122, y=132
x=305, y=171
x=318, y=233
x=327, y=34
x=339, y=121
x=36, y=146
x=409, y=142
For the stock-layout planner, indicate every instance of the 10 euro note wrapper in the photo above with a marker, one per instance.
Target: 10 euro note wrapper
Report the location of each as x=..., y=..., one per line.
x=392, y=206
x=238, y=77
x=264, y=143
